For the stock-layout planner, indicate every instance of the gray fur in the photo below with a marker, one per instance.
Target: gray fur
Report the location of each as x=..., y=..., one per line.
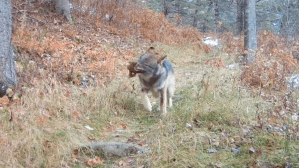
x=156, y=76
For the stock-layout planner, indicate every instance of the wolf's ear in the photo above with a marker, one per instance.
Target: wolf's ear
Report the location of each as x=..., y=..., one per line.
x=151, y=50
x=161, y=58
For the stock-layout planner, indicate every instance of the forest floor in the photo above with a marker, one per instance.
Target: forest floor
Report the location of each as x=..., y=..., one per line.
x=74, y=89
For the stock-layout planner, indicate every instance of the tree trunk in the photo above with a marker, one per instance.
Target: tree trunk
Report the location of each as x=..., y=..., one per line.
x=284, y=27
x=178, y=7
x=7, y=67
x=195, y=19
x=217, y=15
x=241, y=8
x=250, y=33
x=165, y=8
x=63, y=7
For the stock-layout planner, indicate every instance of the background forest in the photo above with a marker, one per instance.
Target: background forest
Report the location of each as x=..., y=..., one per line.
x=278, y=16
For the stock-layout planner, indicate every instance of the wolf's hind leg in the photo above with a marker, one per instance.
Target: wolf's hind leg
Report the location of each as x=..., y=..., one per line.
x=170, y=91
x=163, y=101
x=145, y=101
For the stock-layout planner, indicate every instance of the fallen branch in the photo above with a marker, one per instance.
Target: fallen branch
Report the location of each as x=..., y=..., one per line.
x=109, y=149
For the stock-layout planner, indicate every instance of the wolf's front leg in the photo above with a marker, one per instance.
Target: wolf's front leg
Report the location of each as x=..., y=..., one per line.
x=145, y=101
x=163, y=101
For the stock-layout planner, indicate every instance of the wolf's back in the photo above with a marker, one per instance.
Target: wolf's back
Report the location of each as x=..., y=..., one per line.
x=168, y=66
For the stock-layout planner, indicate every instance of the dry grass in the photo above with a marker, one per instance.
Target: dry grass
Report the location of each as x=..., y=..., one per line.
x=48, y=124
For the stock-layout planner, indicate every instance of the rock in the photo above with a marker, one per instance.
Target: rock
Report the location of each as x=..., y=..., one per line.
x=189, y=125
x=246, y=131
x=236, y=150
x=31, y=64
x=233, y=66
x=295, y=117
x=210, y=42
x=251, y=150
x=218, y=164
x=293, y=82
x=212, y=150
x=89, y=128
x=19, y=67
x=16, y=97
x=214, y=142
x=187, y=74
x=9, y=92
x=275, y=128
x=3, y=89
x=114, y=148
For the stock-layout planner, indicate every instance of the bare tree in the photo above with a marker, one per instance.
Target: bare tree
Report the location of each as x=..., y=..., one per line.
x=7, y=67
x=250, y=31
x=216, y=14
x=165, y=8
x=241, y=8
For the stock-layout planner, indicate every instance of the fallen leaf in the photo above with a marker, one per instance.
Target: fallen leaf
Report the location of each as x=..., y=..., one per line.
x=91, y=139
x=237, y=139
x=67, y=94
x=123, y=125
x=16, y=98
x=41, y=94
x=93, y=162
x=74, y=158
x=111, y=128
x=76, y=115
x=40, y=120
x=272, y=120
x=123, y=163
x=4, y=100
x=133, y=139
x=217, y=62
x=76, y=81
x=47, y=144
x=141, y=143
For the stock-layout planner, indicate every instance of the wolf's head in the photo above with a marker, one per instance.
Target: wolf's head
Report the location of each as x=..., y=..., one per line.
x=149, y=62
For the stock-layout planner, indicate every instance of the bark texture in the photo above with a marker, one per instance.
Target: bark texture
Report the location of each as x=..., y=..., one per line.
x=7, y=66
x=250, y=33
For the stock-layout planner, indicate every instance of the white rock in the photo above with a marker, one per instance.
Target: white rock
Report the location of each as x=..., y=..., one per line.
x=210, y=42
x=295, y=117
x=233, y=65
x=89, y=128
x=188, y=125
x=212, y=151
x=293, y=82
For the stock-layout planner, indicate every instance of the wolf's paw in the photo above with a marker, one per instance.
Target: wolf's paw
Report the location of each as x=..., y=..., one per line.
x=148, y=106
x=169, y=102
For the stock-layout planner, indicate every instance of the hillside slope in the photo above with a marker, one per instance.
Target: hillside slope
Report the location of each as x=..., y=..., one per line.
x=74, y=78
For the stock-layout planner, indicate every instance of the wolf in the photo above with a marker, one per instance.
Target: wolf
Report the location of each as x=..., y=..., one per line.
x=156, y=75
